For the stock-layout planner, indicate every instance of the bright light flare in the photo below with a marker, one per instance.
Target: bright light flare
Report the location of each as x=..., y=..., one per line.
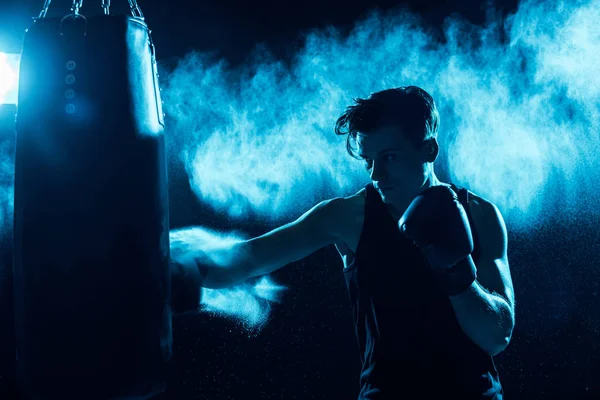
x=9, y=78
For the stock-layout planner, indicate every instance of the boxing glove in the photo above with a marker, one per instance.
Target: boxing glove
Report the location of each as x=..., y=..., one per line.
x=437, y=223
x=186, y=290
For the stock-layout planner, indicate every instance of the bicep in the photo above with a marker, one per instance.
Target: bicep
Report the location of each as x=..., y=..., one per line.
x=312, y=231
x=493, y=271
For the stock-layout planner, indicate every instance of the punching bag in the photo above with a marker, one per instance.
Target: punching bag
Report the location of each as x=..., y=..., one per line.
x=8, y=388
x=91, y=227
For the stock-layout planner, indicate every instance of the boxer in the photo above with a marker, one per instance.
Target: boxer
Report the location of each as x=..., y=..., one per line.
x=425, y=262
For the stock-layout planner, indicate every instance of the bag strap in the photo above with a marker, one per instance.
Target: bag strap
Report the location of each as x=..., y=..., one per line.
x=135, y=9
x=463, y=197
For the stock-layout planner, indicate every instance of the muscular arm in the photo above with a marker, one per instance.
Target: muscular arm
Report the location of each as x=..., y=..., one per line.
x=315, y=229
x=485, y=311
x=230, y=264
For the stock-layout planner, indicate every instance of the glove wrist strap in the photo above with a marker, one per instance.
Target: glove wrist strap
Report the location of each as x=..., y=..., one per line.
x=458, y=278
x=185, y=291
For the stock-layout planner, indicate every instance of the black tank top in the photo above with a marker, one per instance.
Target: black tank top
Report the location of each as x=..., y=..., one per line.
x=410, y=342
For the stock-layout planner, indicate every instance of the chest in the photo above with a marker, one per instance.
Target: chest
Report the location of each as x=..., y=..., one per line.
x=352, y=226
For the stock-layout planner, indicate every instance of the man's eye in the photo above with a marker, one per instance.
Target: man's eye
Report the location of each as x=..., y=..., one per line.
x=390, y=157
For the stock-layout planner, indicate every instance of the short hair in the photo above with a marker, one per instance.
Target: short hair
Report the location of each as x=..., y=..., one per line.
x=411, y=108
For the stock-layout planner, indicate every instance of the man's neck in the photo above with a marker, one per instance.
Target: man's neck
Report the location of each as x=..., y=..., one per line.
x=431, y=181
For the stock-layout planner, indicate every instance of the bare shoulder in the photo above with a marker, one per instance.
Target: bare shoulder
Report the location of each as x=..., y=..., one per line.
x=477, y=201
x=347, y=218
x=483, y=209
x=343, y=207
x=356, y=202
x=489, y=223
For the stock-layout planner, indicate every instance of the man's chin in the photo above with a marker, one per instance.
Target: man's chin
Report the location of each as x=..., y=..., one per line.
x=386, y=198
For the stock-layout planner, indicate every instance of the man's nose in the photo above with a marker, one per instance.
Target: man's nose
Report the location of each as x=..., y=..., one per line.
x=378, y=172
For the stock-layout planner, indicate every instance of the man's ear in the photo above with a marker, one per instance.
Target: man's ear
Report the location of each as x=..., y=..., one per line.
x=432, y=149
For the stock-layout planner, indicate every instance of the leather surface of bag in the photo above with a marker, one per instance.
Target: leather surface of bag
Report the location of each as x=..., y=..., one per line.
x=91, y=229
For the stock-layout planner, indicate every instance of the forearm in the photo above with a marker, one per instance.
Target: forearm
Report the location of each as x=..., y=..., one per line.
x=487, y=319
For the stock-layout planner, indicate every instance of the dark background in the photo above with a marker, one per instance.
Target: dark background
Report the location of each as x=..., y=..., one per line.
x=308, y=350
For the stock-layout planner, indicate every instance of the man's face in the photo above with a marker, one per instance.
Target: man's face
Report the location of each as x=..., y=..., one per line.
x=398, y=169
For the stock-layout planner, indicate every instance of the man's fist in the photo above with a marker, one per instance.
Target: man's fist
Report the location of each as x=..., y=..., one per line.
x=186, y=290
x=438, y=224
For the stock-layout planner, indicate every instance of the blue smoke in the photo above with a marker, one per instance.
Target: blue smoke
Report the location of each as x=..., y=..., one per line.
x=250, y=303
x=519, y=112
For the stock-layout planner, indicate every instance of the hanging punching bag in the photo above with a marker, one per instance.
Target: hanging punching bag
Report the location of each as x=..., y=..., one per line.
x=91, y=228
x=8, y=389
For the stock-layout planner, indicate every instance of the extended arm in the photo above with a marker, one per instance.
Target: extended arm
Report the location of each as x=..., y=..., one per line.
x=229, y=264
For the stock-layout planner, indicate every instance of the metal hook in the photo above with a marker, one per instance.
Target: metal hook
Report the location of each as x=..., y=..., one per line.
x=45, y=9
x=106, y=6
x=135, y=9
x=77, y=4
